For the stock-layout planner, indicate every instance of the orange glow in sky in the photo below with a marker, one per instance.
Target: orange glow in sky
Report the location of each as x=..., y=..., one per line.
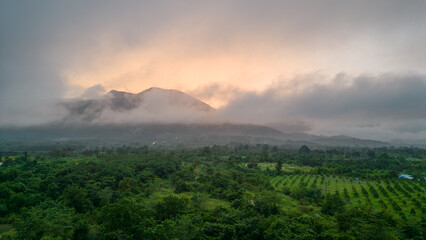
x=186, y=69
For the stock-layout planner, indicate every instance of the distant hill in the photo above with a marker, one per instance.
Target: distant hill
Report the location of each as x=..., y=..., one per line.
x=161, y=135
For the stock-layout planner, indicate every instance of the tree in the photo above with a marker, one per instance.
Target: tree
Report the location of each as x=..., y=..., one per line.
x=264, y=156
x=45, y=222
x=371, y=153
x=125, y=216
x=206, y=151
x=282, y=227
x=279, y=167
x=76, y=197
x=170, y=207
x=128, y=185
x=333, y=204
x=304, y=149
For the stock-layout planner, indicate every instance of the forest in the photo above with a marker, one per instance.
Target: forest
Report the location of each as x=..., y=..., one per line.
x=216, y=192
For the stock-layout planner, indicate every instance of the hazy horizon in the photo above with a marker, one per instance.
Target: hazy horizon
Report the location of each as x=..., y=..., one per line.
x=318, y=67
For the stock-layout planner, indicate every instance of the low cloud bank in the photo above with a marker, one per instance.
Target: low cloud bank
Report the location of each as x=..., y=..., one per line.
x=382, y=106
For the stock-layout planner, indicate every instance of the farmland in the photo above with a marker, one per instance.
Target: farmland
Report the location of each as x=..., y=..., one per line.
x=219, y=192
x=402, y=197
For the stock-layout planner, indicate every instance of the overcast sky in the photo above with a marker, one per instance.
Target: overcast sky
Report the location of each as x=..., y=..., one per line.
x=335, y=67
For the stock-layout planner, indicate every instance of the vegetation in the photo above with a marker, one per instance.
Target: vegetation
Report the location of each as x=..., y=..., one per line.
x=219, y=192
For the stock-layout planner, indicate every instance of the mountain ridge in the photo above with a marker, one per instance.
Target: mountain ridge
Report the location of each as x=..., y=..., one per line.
x=90, y=135
x=150, y=101
x=166, y=117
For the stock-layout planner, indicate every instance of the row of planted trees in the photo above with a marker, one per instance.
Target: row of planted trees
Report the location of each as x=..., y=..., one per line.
x=368, y=191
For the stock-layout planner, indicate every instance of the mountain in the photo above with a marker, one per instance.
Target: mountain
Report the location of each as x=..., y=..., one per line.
x=153, y=98
x=153, y=101
x=157, y=117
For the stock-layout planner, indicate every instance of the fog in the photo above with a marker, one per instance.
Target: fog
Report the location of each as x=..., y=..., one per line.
x=320, y=67
x=381, y=107
x=153, y=105
x=385, y=106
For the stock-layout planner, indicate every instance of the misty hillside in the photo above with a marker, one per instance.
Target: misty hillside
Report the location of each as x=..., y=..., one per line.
x=58, y=135
x=125, y=105
x=160, y=117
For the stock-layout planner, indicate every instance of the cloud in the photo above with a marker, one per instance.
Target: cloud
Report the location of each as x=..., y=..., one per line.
x=217, y=94
x=151, y=106
x=412, y=126
x=94, y=92
x=255, y=55
x=392, y=96
x=391, y=102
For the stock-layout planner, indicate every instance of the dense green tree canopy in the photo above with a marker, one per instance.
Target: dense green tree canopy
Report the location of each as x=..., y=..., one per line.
x=218, y=192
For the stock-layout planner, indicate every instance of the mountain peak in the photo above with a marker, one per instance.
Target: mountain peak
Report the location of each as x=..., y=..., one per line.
x=151, y=89
x=153, y=102
x=116, y=92
x=155, y=88
x=174, y=98
x=161, y=90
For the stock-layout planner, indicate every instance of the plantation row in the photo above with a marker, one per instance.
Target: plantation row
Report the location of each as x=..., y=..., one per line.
x=402, y=197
